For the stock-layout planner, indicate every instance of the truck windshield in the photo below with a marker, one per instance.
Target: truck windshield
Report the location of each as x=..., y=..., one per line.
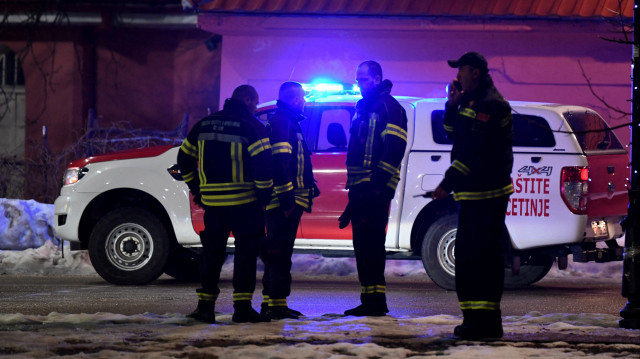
x=591, y=131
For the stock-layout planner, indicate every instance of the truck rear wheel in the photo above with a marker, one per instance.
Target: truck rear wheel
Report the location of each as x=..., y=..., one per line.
x=129, y=246
x=438, y=258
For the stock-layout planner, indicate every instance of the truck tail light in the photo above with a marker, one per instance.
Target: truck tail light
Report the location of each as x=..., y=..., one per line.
x=574, y=186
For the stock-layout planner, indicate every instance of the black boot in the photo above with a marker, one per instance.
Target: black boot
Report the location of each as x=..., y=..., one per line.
x=283, y=312
x=373, y=305
x=205, y=312
x=244, y=313
x=480, y=324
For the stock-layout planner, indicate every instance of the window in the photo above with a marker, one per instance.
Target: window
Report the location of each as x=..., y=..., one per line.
x=592, y=132
x=528, y=131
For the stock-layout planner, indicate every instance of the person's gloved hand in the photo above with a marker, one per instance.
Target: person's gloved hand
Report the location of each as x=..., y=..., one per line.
x=345, y=217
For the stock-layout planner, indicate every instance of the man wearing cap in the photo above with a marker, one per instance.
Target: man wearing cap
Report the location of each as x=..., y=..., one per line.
x=479, y=122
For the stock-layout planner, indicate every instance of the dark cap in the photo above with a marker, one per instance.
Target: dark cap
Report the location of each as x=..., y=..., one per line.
x=472, y=59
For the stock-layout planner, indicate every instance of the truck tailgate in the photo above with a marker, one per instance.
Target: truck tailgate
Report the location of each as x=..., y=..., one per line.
x=608, y=176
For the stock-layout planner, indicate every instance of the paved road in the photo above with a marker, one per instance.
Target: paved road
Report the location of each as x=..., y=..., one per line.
x=42, y=295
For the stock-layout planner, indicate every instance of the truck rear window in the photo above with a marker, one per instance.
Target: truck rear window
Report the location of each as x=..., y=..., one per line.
x=528, y=130
x=592, y=133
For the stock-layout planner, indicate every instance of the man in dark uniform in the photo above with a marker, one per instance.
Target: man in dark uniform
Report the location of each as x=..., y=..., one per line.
x=479, y=122
x=294, y=190
x=378, y=138
x=226, y=162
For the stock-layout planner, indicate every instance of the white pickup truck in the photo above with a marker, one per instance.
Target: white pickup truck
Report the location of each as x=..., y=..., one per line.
x=132, y=210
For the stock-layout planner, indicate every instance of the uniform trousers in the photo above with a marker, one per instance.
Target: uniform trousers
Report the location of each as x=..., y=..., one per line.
x=479, y=252
x=277, y=252
x=369, y=218
x=246, y=222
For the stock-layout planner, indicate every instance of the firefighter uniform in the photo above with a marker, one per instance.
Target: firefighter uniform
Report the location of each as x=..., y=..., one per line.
x=226, y=162
x=294, y=187
x=378, y=138
x=481, y=128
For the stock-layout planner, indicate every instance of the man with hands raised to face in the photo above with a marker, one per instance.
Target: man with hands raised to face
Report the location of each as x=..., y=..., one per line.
x=479, y=122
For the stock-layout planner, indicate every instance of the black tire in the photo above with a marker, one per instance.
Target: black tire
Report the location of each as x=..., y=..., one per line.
x=437, y=251
x=532, y=269
x=183, y=264
x=438, y=258
x=129, y=246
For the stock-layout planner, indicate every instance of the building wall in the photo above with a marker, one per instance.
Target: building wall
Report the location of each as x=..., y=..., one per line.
x=139, y=78
x=532, y=60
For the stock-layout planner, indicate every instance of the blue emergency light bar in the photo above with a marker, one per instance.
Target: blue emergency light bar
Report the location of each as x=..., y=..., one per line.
x=320, y=89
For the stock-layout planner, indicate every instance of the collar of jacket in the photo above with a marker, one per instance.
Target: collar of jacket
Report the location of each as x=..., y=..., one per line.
x=289, y=112
x=236, y=108
x=384, y=88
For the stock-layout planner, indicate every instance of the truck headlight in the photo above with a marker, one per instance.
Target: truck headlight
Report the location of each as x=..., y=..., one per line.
x=73, y=175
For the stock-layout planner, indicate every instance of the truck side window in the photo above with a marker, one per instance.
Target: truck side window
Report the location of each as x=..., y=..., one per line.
x=528, y=131
x=334, y=122
x=532, y=131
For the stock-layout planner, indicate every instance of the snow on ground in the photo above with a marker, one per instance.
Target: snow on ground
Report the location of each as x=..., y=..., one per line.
x=31, y=248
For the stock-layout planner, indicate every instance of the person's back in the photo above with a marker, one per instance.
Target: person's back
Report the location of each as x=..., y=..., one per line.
x=226, y=162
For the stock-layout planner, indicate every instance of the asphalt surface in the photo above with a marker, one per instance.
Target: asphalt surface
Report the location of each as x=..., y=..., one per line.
x=41, y=295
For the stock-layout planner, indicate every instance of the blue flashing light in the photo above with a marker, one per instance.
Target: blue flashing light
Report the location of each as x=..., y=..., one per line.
x=319, y=89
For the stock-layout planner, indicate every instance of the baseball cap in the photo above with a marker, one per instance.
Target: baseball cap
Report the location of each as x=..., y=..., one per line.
x=472, y=59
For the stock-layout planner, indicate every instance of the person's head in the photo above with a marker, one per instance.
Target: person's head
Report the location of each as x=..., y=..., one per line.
x=473, y=69
x=368, y=76
x=248, y=96
x=292, y=94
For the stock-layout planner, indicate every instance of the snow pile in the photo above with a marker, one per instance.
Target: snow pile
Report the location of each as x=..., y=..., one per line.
x=25, y=224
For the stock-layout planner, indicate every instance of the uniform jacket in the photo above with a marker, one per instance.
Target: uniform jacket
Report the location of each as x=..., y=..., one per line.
x=481, y=129
x=226, y=158
x=378, y=139
x=292, y=173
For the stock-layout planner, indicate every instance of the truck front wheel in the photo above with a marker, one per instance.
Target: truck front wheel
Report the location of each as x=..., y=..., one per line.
x=438, y=258
x=129, y=246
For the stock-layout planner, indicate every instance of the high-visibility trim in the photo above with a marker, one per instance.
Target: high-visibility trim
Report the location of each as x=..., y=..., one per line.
x=207, y=297
x=479, y=304
x=467, y=112
x=448, y=128
x=233, y=199
x=265, y=300
x=300, y=173
x=474, y=196
x=373, y=289
x=461, y=167
x=201, y=162
x=281, y=147
x=395, y=130
x=355, y=170
x=278, y=302
x=189, y=149
x=302, y=202
x=506, y=121
x=257, y=147
x=237, y=166
x=188, y=177
x=387, y=168
x=263, y=184
x=368, y=148
x=215, y=187
x=242, y=296
x=352, y=181
x=393, y=183
x=283, y=188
